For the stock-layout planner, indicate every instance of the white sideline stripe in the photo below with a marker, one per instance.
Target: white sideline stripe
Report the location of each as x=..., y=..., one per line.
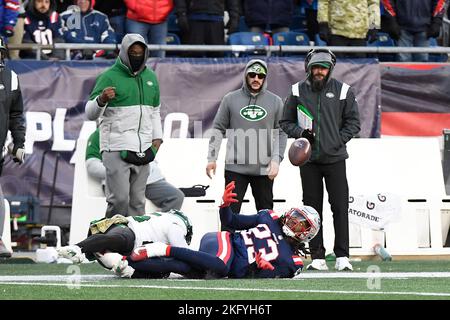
x=301, y=276
x=72, y=284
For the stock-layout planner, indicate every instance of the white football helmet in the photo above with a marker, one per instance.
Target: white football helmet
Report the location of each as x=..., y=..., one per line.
x=302, y=224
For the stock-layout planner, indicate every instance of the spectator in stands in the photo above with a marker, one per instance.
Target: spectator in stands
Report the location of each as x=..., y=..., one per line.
x=82, y=24
x=201, y=22
x=163, y=195
x=149, y=19
x=16, y=38
x=43, y=26
x=8, y=19
x=310, y=7
x=349, y=23
x=11, y=118
x=273, y=16
x=249, y=117
x=412, y=22
x=116, y=11
x=126, y=97
x=334, y=110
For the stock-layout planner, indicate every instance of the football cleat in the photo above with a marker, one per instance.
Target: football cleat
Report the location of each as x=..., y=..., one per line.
x=73, y=253
x=318, y=264
x=155, y=249
x=343, y=264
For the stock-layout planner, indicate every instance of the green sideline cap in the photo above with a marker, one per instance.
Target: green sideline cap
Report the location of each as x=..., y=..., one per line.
x=257, y=68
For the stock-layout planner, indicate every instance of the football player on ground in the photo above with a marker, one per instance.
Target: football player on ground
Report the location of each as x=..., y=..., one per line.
x=112, y=238
x=268, y=246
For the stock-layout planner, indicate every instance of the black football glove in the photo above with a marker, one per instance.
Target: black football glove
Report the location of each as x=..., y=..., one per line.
x=18, y=153
x=308, y=134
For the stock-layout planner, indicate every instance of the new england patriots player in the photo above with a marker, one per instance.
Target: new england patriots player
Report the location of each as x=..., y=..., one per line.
x=267, y=246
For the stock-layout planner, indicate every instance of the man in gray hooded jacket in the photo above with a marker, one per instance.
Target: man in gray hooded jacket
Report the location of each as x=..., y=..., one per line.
x=249, y=117
x=332, y=106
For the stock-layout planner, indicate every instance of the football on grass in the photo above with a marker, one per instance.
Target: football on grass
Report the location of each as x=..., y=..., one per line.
x=299, y=152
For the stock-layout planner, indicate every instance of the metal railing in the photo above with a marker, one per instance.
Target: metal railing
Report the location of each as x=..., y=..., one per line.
x=267, y=50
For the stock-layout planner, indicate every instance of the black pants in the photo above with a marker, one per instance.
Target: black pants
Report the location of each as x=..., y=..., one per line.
x=337, y=187
x=205, y=32
x=335, y=40
x=118, y=239
x=261, y=189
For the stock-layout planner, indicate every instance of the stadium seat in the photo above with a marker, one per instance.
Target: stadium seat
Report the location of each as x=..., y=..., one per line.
x=249, y=38
x=290, y=39
x=319, y=42
x=436, y=57
x=383, y=40
x=172, y=39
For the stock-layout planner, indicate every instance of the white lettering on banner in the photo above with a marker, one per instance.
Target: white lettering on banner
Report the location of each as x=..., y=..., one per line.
x=170, y=118
x=39, y=128
x=59, y=143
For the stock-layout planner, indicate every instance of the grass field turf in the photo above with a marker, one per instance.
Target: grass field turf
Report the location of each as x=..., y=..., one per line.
x=57, y=281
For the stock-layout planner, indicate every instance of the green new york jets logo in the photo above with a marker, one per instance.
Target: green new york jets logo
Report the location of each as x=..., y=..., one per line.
x=253, y=113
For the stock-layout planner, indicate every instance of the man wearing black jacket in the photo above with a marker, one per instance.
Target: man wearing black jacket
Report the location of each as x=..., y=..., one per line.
x=12, y=119
x=201, y=21
x=332, y=106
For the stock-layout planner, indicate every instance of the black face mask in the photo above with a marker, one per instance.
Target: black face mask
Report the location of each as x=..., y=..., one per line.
x=136, y=62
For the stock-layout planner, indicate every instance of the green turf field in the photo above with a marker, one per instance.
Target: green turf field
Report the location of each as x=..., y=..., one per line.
x=373, y=280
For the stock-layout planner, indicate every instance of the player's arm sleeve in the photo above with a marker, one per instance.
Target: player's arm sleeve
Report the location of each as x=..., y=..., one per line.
x=156, y=115
x=288, y=120
x=237, y=221
x=93, y=109
x=220, y=125
x=350, y=118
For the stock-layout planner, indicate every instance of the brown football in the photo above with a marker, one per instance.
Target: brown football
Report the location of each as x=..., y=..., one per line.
x=299, y=152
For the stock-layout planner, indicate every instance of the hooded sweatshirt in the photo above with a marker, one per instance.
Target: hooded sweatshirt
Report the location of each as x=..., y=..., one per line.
x=132, y=119
x=250, y=122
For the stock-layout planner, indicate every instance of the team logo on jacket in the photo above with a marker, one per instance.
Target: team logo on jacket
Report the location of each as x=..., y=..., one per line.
x=2, y=87
x=253, y=113
x=149, y=83
x=329, y=95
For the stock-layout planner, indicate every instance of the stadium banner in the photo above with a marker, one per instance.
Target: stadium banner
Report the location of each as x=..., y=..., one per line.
x=415, y=99
x=374, y=211
x=55, y=94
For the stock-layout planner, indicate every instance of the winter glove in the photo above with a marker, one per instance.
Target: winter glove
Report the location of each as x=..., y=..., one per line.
x=263, y=263
x=393, y=28
x=228, y=195
x=308, y=134
x=8, y=31
x=183, y=23
x=232, y=25
x=324, y=31
x=372, y=35
x=434, y=29
x=18, y=153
